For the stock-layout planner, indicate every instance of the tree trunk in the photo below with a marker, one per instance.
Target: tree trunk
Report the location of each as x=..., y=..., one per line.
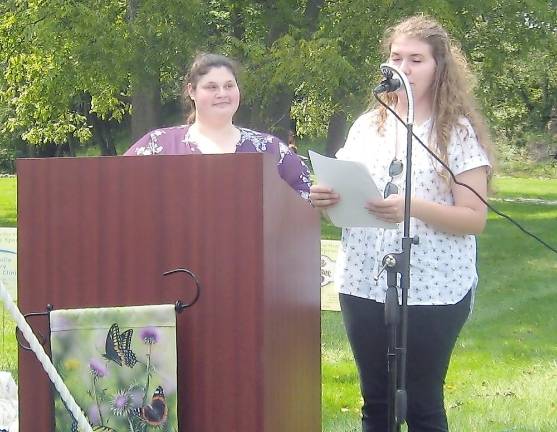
x=66, y=149
x=279, y=113
x=103, y=136
x=313, y=9
x=237, y=20
x=245, y=117
x=71, y=145
x=277, y=120
x=552, y=127
x=336, y=132
x=146, y=106
x=552, y=123
x=43, y=150
x=146, y=91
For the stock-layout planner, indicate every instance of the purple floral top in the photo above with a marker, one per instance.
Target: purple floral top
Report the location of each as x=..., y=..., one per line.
x=176, y=140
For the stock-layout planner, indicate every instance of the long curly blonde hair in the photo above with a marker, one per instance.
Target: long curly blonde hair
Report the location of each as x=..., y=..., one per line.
x=452, y=87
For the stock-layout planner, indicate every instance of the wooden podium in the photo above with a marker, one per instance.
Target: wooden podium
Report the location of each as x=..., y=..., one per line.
x=101, y=231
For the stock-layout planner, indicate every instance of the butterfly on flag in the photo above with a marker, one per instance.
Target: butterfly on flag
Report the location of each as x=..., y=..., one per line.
x=118, y=347
x=156, y=413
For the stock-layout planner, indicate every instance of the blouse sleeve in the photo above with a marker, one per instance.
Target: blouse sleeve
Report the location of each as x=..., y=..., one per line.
x=148, y=144
x=357, y=135
x=293, y=170
x=465, y=152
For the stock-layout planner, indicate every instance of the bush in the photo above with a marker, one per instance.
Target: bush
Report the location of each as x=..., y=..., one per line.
x=7, y=160
x=541, y=147
x=534, y=158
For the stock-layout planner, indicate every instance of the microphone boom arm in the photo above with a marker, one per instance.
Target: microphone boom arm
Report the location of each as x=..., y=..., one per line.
x=387, y=70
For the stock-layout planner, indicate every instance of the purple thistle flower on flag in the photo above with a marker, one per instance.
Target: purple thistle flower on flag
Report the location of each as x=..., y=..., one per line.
x=149, y=335
x=136, y=397
x=121, y=403
x=94, y=415
x=97, y=368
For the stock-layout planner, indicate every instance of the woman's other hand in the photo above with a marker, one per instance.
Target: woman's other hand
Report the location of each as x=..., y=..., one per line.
x=322, y=197
x=390, y=209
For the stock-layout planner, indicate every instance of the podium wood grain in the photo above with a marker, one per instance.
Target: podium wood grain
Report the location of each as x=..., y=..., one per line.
x=101, y=231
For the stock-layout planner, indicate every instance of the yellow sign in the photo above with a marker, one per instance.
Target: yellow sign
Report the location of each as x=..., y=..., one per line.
x=8, y=259
x=329, y=293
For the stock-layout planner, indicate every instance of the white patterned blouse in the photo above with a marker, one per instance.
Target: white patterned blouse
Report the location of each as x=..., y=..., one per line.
x=443, y=266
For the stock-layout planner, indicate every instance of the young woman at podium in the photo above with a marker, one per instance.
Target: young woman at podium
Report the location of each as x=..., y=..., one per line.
x=444, y=216
x=211, y=90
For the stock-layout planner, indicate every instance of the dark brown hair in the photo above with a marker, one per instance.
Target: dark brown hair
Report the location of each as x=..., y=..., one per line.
x=202, y=64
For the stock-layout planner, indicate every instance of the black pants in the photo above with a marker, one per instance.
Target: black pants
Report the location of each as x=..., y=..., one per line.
x=432, y=333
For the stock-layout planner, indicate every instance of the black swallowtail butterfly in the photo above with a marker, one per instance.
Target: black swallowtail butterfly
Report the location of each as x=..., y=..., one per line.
x=117, y=347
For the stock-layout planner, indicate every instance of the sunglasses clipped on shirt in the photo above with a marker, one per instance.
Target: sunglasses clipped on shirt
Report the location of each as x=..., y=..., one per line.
x=395, y=169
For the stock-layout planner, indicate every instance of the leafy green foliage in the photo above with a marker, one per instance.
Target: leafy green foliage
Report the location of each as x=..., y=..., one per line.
x=66, y=66
x=512, y=46
x=66, y=61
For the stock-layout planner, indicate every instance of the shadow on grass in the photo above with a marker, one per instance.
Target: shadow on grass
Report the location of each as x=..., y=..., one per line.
x=9, y=220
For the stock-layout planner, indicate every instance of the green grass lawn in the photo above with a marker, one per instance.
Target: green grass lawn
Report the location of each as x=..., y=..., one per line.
x=8, y=217
x=503, y=373
x=536, y=188
x=8, y=213
x=504, y=370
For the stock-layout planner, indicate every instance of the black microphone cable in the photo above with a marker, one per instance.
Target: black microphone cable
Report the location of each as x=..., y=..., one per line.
x=432, y=153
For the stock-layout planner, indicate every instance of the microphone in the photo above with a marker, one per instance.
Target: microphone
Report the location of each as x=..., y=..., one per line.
x=387, y=85
x=390, y=84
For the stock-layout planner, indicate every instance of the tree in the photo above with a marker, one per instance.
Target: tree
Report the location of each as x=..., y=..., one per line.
x=73, y=68
x=513, y=47
x=73, y=71
x=266, y=37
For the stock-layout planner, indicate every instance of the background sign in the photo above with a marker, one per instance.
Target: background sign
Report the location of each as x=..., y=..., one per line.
x=8, y=259
x=329, y=292
x=329, y=248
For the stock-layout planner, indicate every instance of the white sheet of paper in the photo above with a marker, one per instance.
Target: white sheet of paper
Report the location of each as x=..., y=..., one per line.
x=352, y=181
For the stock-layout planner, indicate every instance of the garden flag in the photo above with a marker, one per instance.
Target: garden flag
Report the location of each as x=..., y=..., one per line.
x=120, y=366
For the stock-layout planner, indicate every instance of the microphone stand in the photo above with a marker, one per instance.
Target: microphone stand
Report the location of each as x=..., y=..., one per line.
x=396, y=315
